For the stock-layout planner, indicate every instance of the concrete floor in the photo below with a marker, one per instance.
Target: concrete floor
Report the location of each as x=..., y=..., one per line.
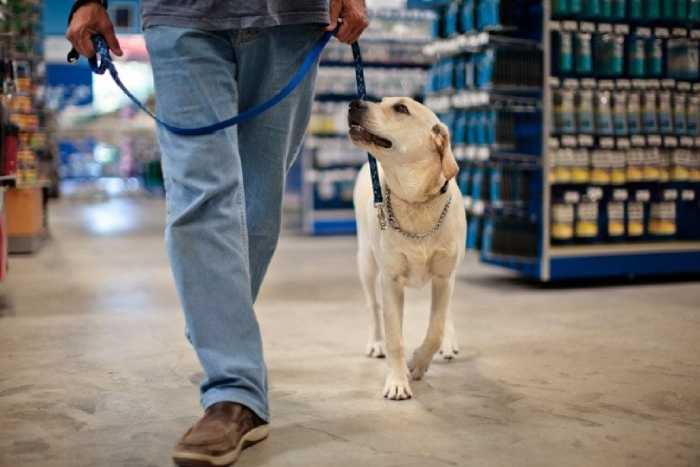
x=95, y=371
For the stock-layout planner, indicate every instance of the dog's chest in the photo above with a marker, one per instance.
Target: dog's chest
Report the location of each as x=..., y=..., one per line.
x=414, y=264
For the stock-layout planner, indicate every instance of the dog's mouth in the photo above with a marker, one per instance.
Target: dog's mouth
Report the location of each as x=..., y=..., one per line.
x=360, y=133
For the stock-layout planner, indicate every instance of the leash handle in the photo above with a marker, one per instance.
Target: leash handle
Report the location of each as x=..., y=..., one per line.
x=362, y=95
x=100, y=62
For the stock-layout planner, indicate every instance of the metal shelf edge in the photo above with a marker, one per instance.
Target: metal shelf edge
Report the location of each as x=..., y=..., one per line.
x=678, y=246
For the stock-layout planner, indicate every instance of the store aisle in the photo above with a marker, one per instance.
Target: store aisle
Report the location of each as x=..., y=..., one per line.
x=95, y=371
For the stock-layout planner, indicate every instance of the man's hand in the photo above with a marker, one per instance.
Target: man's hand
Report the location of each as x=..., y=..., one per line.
x=91, y=19
x=353, y=14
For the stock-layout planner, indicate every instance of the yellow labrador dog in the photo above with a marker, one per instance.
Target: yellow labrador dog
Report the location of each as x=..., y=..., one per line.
x=423, y=237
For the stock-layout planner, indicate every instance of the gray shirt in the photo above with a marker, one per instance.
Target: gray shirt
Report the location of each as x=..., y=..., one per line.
x=232, y=14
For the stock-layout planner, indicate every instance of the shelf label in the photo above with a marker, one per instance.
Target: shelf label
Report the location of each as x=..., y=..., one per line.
x=642, y=195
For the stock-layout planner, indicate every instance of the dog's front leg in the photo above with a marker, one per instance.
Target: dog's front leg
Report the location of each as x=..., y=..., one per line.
x=442, y=289
x=397, y=386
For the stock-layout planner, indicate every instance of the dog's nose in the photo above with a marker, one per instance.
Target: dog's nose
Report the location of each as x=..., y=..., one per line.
x=357, y=105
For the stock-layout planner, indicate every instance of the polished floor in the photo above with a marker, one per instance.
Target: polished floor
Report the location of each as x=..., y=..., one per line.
x=95, y=370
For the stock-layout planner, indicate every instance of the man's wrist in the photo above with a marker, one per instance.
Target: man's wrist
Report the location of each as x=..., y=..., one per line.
x=80, y=3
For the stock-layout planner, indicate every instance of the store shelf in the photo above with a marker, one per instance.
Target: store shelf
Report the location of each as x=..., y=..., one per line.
x=7, y=180
x=675, y=246
x=475, y=42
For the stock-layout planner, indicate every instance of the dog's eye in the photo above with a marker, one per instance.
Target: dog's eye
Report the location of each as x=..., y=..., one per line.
x=402, y=109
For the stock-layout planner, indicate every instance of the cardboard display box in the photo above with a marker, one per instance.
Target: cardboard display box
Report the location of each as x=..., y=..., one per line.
x=25, y=219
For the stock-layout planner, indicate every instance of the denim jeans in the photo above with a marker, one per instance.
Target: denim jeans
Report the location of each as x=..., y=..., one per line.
x=224, y=191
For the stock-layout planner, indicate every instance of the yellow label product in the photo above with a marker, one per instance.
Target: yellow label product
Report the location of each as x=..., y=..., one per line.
x=635, y=219
x=616, y=218
x=562, y=221
x=587, y=219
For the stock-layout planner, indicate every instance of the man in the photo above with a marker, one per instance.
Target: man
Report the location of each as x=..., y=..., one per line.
x=212, y=59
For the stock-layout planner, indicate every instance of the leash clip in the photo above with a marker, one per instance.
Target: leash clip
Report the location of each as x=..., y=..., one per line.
x=381, y=218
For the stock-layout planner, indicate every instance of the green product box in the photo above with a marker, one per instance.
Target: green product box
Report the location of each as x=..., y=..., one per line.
x=636, y=57
x=609, y=54
x=591, y=8
x=681, y=10
x=575, y=7
x=560, y=7
x=634, y=10
x=654, y=57
x=584, y=58
x=618, y=9
x=652, y=9
x=667, y=9
x=694, y=10
x=606, y=9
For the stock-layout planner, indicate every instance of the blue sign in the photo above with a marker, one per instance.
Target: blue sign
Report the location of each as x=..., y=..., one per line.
x=68, y=85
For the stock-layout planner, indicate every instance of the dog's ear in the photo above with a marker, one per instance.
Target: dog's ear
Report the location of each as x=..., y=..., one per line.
x=441, y=138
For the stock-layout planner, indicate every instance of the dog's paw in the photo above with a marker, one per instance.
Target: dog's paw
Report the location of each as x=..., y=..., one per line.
x=418, y=365
x=449, y=348
x=375, y=349
x=397, y=388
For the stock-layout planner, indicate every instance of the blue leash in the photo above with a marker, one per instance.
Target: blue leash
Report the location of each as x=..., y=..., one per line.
x=374, y=173
x=102, y=62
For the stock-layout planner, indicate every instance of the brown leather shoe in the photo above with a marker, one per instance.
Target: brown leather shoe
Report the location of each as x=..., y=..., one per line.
x=218, y=437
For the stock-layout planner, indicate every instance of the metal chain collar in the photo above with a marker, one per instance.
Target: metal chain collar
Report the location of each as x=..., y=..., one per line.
x=394, y=223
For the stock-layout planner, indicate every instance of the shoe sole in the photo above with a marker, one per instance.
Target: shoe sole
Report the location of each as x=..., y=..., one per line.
x=194, y=459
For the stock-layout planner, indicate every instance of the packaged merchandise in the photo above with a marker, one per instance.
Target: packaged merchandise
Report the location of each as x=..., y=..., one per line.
x=619, y=113
x=603, y=113
x=692, y=115
x=619, y=8
x=563, y=51
x=680, y=125
x=654, y=57
x=563, y=217
x=665, y=113
x=650, y=122
x=635, y=164
x=634, y=113
x=615, y=215
x=608, y=52
x=581, y=168
x=635, y=220
x=662, y=214
x=564, y=116
x=586, y=229
x=585, y=111
x=466, y=16
x=583, y=51
x=601, y=166
x=636, y=52
x=682, y=59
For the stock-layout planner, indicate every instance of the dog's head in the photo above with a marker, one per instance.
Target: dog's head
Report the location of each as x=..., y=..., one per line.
x=401, y=131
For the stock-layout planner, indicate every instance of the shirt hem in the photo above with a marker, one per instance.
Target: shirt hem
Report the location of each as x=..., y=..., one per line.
x=218, y=24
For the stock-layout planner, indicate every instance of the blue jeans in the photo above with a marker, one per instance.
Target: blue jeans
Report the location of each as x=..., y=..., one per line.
x=224, y=191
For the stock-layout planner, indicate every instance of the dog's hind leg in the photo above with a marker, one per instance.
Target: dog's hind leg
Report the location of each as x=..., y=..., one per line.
x=442, y=288
x=369, y=274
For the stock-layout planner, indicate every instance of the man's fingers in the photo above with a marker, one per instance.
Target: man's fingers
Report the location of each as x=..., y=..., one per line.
x=112, y=41
x=84, y=45
x=351, y=28
x=344, y=32
x=336, y=6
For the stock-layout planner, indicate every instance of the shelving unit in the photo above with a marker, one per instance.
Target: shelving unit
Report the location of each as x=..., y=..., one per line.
x=598, y=173
x=27, y=167
x=394, y=65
